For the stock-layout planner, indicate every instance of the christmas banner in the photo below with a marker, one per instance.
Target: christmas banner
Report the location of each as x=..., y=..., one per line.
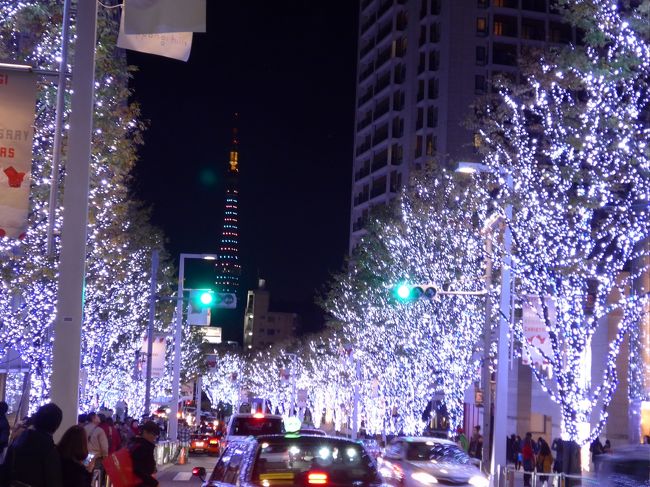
x=17, y=105
x=535, y=332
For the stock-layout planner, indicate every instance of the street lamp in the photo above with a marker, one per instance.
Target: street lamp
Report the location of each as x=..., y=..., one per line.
x=501, y=394
x=178, y=336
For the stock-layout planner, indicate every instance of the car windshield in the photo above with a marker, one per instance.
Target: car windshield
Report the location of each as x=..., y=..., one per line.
x=256, y=426
x=313, y=460
x=440, y=452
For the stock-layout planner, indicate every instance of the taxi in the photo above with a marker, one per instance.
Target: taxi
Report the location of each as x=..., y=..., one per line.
x=199, y=443
x=293, y=459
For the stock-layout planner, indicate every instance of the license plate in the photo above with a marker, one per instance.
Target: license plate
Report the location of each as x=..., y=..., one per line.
x=199, y=443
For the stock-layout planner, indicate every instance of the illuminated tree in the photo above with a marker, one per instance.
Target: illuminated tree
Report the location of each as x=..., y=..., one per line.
x=574, y=140
x=413, y=351
x=120, y=239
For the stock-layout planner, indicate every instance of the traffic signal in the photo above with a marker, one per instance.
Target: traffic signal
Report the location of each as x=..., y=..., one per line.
x=198, y=310
x=407, y=292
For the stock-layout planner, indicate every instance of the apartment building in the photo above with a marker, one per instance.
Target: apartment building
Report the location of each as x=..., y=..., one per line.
x=421, y=64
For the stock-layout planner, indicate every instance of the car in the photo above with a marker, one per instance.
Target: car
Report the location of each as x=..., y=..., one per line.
x=199, y=443
x=625, y=466
x=214, y=445
x=243, y=425
x=418, y=461
x=294, y=460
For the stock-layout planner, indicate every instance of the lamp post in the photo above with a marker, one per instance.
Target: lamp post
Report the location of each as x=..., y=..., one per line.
x=178, y=336
x=501, y=394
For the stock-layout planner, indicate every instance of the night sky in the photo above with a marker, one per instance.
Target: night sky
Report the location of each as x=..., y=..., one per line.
x=288, y=69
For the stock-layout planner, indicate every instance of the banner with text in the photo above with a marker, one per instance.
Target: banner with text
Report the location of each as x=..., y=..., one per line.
x=175, y=45
x=17, y=109
x=535, y=332
x=157, y=356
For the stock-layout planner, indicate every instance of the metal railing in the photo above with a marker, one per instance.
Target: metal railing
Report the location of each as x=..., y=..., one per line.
x=510, y=477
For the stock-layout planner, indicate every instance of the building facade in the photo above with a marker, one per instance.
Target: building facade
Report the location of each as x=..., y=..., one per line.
x=263, y=327
x=421, y=64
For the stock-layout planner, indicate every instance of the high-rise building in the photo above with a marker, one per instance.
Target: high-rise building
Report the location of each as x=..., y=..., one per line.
x=421, y=64
x=228, y=265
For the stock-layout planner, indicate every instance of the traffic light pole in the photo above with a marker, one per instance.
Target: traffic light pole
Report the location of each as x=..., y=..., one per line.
x=178, y=337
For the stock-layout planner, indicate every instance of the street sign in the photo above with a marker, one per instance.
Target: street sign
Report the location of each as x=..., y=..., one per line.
x=225, y=300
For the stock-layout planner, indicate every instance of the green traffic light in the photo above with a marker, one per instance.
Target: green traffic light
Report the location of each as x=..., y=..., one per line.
x=206, y=298
x=404, y=291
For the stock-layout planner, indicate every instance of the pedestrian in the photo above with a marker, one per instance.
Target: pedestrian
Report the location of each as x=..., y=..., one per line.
x=4, y=429
x=142, y=454
x=475, y=449
x=510, y=448
x=461, y=439
x=607, y=447
x=76, y=464
x=596, y=449
x=520, y=459
x=558, y=448
x=32, y=458
x=544, y=461
x=82, y=419
x=112, y=435
x=184, y=437
x=133, y=430
x=528, y=457
x=97, y=445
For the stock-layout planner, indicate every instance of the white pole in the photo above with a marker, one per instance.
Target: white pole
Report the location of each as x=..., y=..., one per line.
x=355, y=405
x=501, y=396
x=58, y=123
x=197, y=400
x=152, y=317
x=487, y=343
x=178, y=336
x=67, y=336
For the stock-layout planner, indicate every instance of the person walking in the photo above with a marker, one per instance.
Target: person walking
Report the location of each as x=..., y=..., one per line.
x=184, y=439
x=596, y=449
x=112, y=435
x=517, y=451
x=558, y=448
x=528, y=457
x=76, y=466
x=142, y=454
x=32, y=458
x=4, y=429
x=97, y=445
x=476, y=444
x=544, y=461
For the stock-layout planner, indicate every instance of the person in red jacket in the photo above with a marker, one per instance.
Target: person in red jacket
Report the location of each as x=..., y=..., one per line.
x=528, y=455
x=112, y=434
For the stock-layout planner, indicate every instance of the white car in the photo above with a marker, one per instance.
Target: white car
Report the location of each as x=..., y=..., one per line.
x=419, y=461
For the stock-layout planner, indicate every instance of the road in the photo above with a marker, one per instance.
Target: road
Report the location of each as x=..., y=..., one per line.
x=181, y=475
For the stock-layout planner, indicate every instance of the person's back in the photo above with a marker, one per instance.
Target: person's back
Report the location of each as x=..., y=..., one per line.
x=4, y=428
x=141, y=449
x=33, y=458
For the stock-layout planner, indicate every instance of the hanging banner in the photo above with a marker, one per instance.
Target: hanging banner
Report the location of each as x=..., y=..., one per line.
x=535, y=333
x=164, y=16
x=158, y=356
x=175, y=45
x=17, y=108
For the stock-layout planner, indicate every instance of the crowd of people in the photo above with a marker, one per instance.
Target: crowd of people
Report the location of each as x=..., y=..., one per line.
x=29, y=455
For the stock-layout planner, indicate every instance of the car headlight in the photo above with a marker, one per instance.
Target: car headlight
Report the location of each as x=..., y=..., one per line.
x=479, y=481
x=424, y=478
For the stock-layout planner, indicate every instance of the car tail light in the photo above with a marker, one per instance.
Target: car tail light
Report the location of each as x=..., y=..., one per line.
x=214, y=442
x=314, y=478
x=258, y=415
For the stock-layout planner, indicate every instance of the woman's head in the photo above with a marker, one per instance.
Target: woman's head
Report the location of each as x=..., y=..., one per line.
x=74, y=444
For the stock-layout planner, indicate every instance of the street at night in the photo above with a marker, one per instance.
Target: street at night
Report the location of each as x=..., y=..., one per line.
x=347, y=243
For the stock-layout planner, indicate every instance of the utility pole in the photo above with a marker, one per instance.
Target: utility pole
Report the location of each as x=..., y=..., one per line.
x=70, y=303
x=152, y=316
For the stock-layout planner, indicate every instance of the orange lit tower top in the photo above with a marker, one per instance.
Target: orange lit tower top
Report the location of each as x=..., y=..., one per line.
x=228, y=265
